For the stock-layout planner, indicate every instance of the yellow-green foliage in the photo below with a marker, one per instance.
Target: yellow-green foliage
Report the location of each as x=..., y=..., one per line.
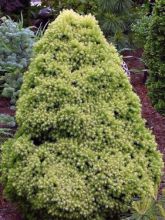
x=82, y=150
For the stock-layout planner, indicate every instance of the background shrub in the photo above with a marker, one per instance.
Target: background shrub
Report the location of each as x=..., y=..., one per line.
x=16, y=45
x=155, y=58
x=86, y=6
x=82, y=150
x=141, y=30
x=115, y=16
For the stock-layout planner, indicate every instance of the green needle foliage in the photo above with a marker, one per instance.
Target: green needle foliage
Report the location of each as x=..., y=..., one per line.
x=82, y=6
x=16, y=45
x=115, y=16
x=155, y=58
x=7, y=122
x=149, y=208
x=82, y=151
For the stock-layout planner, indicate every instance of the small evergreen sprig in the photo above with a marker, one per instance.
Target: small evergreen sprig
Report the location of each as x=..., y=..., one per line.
x=7, y=120
x=7, y=123
x=149, y=208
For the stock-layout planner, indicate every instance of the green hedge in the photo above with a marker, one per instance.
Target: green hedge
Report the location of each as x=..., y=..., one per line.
x=82, y=150
x=155, y=57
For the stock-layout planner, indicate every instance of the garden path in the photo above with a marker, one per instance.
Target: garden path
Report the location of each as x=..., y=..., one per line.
x=154, y=120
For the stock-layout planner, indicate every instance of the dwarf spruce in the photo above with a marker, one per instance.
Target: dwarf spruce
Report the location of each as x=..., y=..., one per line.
x=82, y=151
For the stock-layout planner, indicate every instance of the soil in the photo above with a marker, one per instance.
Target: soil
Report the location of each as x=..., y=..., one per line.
x=154, y=121
x=5, y=107
x=8, y=211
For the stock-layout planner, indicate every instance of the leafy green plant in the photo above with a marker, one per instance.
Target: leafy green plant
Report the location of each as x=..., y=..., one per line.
x=154, y=57
x=82, y=150
x=141, y=30
x=149, y=208
x=16, y=45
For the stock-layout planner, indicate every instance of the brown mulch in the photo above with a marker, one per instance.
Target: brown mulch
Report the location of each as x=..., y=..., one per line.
x=8, y=211
x=5, y=107
x=154, y=121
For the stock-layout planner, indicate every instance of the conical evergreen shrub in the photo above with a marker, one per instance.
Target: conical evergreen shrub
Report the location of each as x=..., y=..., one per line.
x=82, y=150
x=155, y=58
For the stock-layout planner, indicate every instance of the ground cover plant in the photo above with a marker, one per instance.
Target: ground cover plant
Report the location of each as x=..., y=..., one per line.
x=82, y=150
x=154, y=51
